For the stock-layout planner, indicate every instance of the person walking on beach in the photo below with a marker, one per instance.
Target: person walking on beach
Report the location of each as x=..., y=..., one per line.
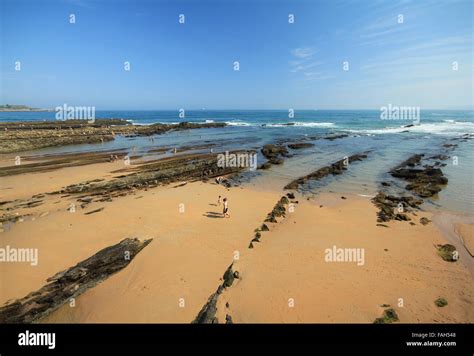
x=219, y=200
x=225, y=211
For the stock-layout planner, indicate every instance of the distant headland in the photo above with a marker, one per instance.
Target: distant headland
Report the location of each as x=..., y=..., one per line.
x=10, y=108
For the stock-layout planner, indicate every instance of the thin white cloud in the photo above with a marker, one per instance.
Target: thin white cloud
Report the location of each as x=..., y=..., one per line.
x=304, y=67
x=303, y=52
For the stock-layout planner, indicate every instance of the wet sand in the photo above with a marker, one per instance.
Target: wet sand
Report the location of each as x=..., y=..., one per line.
x=172, y=278
x=466, y=233
x=286, y=278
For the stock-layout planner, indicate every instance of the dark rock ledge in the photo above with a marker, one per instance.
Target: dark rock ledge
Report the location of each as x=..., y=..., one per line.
x=72, y=282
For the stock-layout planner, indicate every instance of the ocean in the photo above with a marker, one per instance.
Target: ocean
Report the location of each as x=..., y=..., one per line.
x=389, y=141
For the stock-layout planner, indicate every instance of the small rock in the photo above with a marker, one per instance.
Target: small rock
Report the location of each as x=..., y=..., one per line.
x=448, y=252
x=389, y=316
x=441, y=302
x=424, y=221
x=228, y=277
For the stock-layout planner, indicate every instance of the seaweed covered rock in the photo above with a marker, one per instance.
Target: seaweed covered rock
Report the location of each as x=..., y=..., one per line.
x=424, y=221
x=394, y=208
x=228, y=277
x=273, y=151
x=207, y=315
x=441, y=302
x=448, y=252
x=300, y=145
x=424, y=181
x=389, y=316
x=72, y=282
x=274, y=154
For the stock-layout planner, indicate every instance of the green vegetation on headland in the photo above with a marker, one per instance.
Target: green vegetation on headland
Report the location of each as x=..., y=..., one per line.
x=10, y=108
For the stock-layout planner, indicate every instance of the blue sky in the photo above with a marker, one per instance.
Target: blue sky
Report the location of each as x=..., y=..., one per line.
x=282, y=65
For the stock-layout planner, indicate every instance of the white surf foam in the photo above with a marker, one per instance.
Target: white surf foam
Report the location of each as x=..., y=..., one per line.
x=238, y=123
x=303, y=124
x=442, y=128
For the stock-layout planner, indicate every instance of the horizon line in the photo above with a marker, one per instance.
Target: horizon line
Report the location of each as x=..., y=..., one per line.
x=234, y=109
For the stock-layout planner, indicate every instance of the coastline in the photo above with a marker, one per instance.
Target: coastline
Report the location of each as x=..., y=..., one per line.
x=191, y=250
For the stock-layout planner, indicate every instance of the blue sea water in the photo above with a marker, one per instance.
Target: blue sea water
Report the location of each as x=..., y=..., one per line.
x=389, y=142
x=324, y=119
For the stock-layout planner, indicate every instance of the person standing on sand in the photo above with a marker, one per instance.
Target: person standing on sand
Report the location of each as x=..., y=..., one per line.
x=225, y=211
x=219, y=200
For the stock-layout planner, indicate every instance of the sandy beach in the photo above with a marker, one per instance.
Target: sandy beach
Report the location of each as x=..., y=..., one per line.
x=284, y=278
x=236, y=172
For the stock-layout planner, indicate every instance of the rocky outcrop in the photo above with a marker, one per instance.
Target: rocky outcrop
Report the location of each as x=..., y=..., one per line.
x=191, y=167
x=424, y=181
x=300, y=145
x=207, y=315
x=72, y=282
x=26, y=136
x=274, y=153
x=393, y=207
x=335, y=137
x=279, y=210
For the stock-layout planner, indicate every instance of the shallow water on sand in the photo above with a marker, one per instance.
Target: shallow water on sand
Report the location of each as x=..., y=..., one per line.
x=387, y=142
